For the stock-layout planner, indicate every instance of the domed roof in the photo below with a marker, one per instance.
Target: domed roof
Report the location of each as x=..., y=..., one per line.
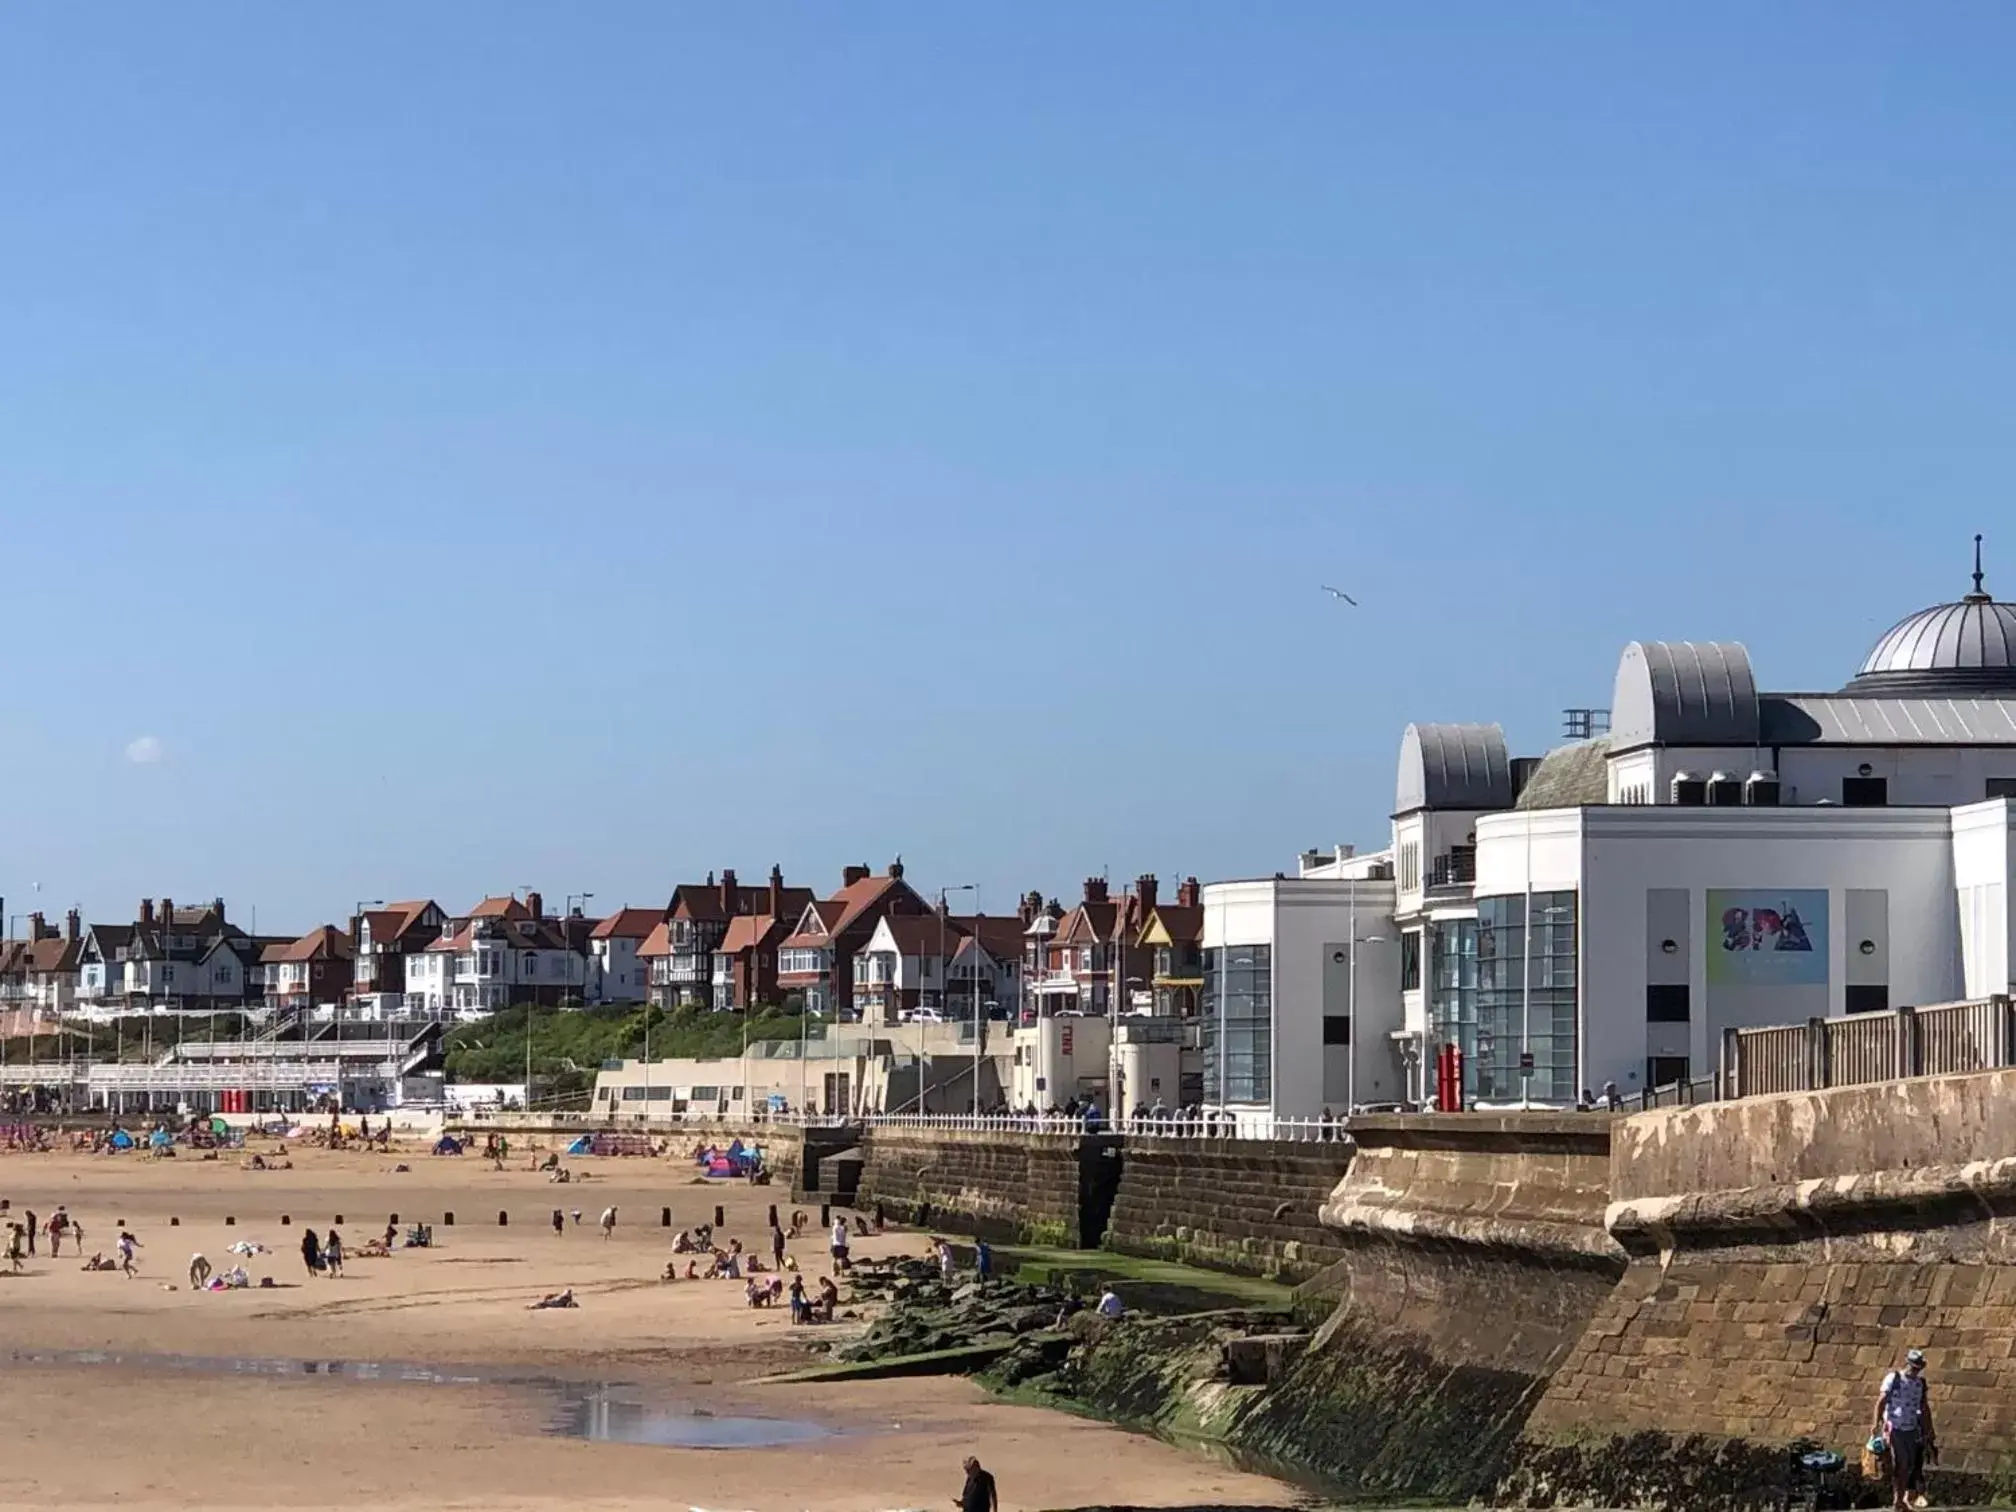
x=1962, y=648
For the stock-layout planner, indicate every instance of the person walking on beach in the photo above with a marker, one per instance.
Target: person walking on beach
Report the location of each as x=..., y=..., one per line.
x=59, y=1224
x=31, y=1232
x=839, y=1247
x=311, y=1253
x=1904, y=1420
x=979, y=1494
x=608, y=1221
x=332, y=1255
x=777, y=1245
x=127, y=1245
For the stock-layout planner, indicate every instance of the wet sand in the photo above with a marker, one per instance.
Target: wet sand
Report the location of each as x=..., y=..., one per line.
x=131, y=1393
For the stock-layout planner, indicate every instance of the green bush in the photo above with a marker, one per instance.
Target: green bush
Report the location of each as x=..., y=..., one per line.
x=569, y=1045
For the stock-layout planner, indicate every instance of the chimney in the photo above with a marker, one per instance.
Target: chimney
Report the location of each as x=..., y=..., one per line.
x=710, y=879
x=356, y=929
x=217, y=907
x=776, y=892
x=1027, y=909
x=167, y=913
x=72, y=925
x=1095, y=889
x=34, y=927
x=1188, y=895
x=731, y=899
x=1144, y=889
x=896, y=869
x=147, y=911
x=535, y=905
x=849, y=875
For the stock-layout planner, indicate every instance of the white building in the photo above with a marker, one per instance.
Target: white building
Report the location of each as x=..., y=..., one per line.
x=1301, y=998
x=1722, y=858
x=501, y=954
x=615, y=974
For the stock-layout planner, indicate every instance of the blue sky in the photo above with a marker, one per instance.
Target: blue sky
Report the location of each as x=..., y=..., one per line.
x=496, y=444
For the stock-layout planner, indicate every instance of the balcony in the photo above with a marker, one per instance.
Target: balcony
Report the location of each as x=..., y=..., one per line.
x=1453, y=871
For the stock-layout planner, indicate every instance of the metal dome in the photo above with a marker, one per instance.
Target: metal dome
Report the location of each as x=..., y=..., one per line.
x=1963, y=648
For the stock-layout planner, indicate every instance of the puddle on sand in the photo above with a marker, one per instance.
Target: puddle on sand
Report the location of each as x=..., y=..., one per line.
x=613, y=1412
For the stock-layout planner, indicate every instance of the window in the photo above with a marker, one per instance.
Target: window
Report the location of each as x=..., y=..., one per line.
x=531, y=964
x=2002, y=787
x=1666, y=1003
x=1524, y=1003
x=1865, y=792
x=1410, y=865
x=1868, y=999
x=1664, y=1070
x=1237, y=1032
x=1336, y=1029
x=1410, y=962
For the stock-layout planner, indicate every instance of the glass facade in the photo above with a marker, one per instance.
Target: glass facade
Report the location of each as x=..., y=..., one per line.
x=1238, y=1027
x=1525, y=999
x=1452, y=994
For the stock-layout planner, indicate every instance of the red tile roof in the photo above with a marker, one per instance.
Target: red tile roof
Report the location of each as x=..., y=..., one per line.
x=827, y=912
x=923, y=934
x=628, y=924
x=658, y=942
x=396, y=920
x=750, y=932
x=54, y=955
x=1182, y=922
x=325, y=944
x=500, y=908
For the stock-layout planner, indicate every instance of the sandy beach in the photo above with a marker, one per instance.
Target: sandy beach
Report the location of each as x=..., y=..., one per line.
x=344, y=1392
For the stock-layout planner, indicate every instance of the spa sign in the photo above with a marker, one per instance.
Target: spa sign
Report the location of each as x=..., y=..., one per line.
x=1762, y=937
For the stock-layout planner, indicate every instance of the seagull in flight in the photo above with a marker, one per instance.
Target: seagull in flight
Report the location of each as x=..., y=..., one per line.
x=1341, y=594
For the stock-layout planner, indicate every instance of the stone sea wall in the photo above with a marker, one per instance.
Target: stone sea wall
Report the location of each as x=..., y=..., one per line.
x=1037, y=1188
x=1785, y=1252
x=1472, y=1258
x=1246, y=1207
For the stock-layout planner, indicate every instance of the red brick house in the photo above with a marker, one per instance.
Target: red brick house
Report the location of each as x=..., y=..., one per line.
x=384, y=938
x=816, y=962
x=679, y=955
x=313, y=969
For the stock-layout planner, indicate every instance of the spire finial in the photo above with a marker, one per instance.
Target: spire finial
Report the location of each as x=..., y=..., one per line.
x=1977, y=566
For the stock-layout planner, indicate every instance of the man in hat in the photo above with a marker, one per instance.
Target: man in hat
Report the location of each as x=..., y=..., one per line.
x=1904, y=1420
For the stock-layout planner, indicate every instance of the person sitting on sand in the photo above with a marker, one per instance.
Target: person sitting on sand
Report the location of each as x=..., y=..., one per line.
x=692, y=1270
x=754, y=1293
x=553, y=1299
x=671, y=1271
x=829, y=1299
x=683, y=1245
x=98, y=1262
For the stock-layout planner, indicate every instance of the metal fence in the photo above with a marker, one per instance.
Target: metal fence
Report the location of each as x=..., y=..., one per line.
x=1945, y=1040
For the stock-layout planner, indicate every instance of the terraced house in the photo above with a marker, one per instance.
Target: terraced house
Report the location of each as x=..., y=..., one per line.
x=815, y=964
x=169, y=960
x=680, y=953
x=502, y=952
